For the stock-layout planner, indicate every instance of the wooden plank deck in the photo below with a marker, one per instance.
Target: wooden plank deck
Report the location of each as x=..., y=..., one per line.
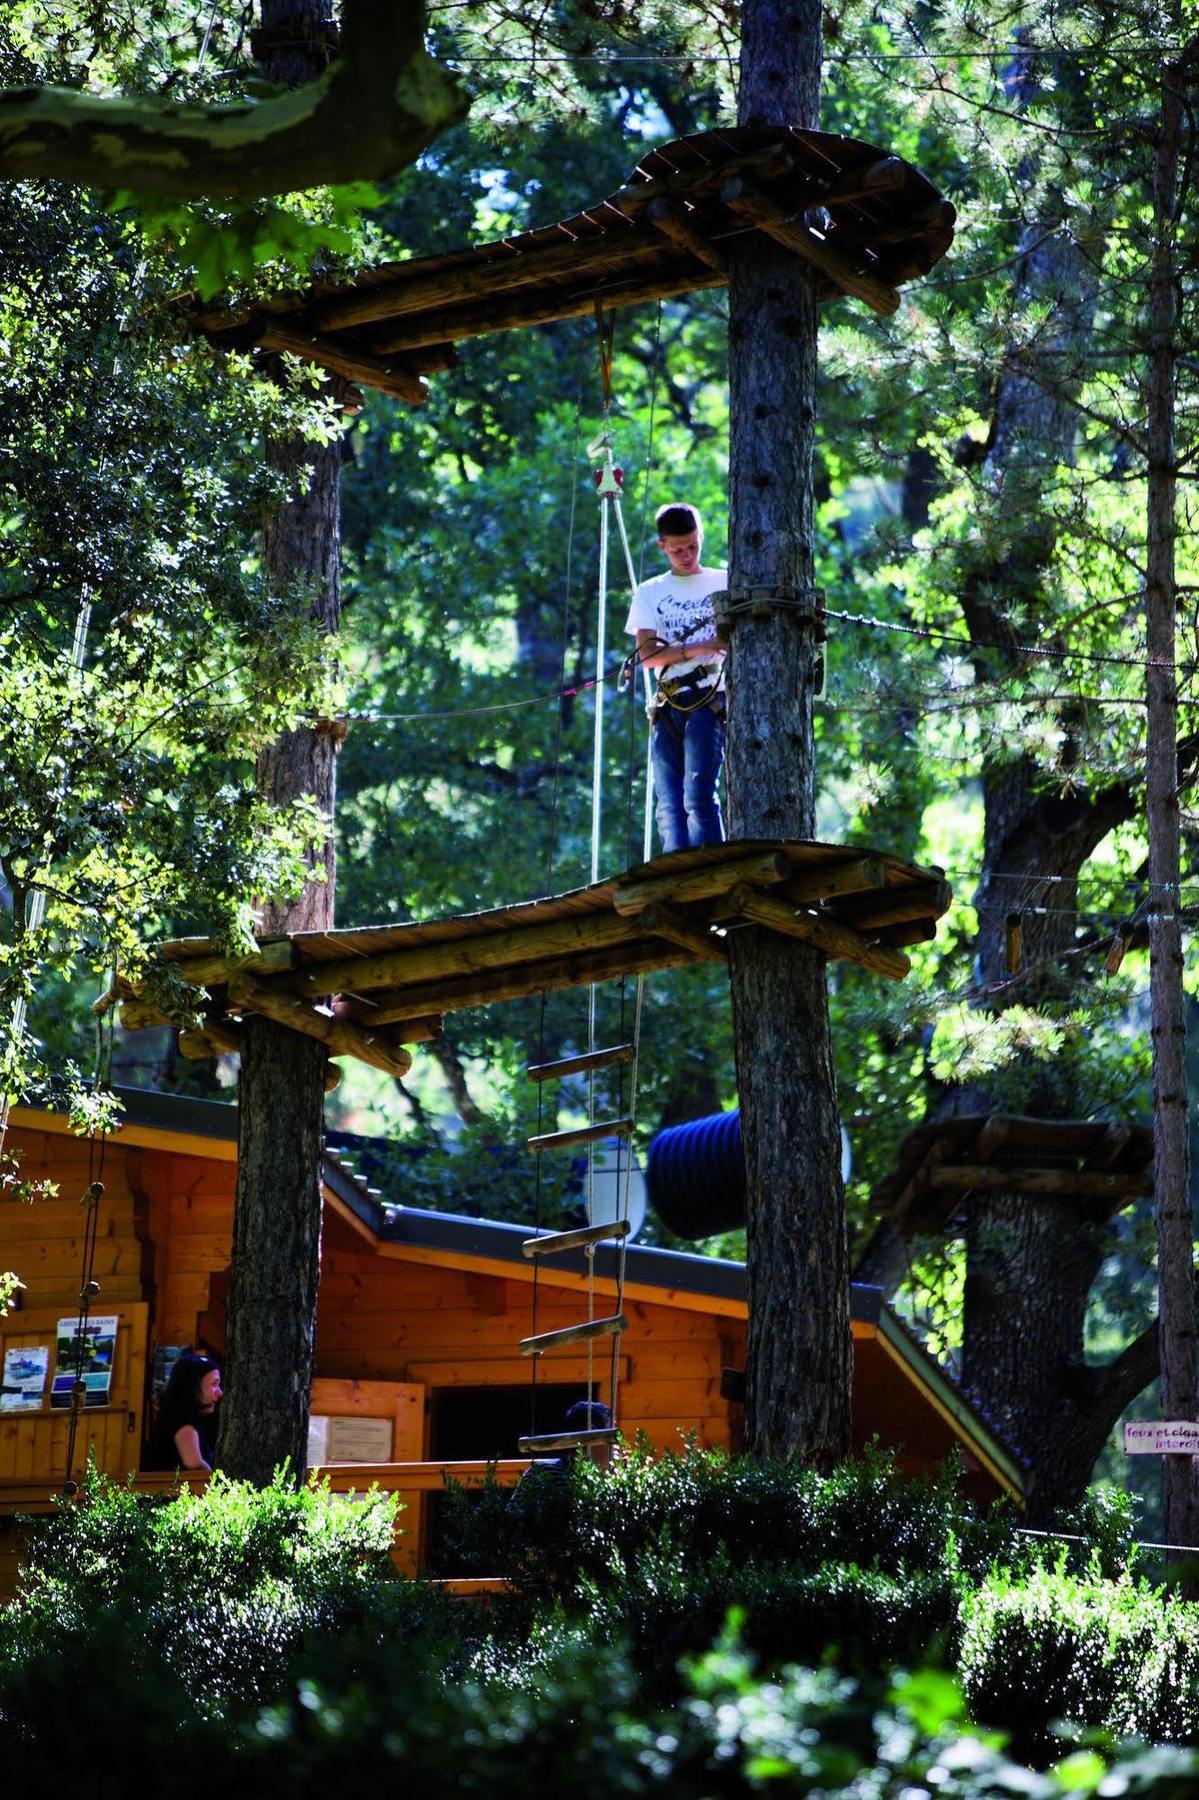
x=865, y=220
x=941, y=1163
x=363, y=990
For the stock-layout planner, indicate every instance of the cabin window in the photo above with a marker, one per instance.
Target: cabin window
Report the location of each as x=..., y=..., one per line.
x=479, y=1424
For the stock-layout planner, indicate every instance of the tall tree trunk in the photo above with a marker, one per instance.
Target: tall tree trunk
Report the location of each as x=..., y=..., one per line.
x=277, y=1215
x=799, y=1354
x=1175, y=1230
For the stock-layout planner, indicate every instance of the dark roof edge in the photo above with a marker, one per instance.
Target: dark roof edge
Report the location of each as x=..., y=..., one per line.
x=709, y=1276
x=1013, y=1465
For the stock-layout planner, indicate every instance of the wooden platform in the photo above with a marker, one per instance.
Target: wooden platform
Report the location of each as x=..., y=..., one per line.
x=865, y=220
x=941, y=1164
x=369, y=992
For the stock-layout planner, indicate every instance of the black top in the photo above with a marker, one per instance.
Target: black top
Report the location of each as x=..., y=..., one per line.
x=161, y=1452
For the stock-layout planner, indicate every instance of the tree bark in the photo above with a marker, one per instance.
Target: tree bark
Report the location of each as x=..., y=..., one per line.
x=1175, y=1229
x=277, y=1213
x=1031, y=1263
x=799, y=1363
x=369, y=114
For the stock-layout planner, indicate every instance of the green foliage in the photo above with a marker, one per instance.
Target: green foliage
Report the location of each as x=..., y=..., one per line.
x=253, y=248
x=245, y=1638
x=199, y=1582
x=1050, y=1644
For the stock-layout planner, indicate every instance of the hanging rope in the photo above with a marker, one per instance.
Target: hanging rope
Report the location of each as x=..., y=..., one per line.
x=605, y=327
x=609, y=492
x=89, y=1287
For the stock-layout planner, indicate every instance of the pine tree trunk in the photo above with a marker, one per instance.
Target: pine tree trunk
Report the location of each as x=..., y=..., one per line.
x=277, y=1216
x=799, y=1354
x=1175, y=1230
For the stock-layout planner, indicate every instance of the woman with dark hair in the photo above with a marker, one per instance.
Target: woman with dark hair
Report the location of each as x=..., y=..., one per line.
x=184, y=1434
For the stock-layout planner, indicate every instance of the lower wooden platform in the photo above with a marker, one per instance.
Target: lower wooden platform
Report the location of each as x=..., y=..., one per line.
x=369, y=991
x=943, y=1163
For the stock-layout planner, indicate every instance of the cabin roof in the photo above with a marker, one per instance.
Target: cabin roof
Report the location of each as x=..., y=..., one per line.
x=864, y=219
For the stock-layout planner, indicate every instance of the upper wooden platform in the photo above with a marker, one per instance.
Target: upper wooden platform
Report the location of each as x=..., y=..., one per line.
x=941, y=1164
x=865, y=220
x=367, y=992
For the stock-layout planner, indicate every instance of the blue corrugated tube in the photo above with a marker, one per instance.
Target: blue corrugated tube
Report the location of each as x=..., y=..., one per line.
x=696, y=1177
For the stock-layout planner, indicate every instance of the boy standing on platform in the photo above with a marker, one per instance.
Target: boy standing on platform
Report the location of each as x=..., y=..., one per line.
x=675, y=628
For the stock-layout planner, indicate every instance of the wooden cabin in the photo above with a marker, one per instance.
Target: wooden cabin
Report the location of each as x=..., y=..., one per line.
x=419, y=1322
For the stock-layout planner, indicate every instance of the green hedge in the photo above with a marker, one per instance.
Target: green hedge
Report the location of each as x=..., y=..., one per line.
x=216, y=1592
x=239, y=1636
x=1052, y=1645
x=550, y=1533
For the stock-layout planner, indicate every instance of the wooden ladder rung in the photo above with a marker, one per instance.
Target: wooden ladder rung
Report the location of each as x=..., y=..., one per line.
x=582, y=1134
x=574, y=1334
x=554, y=1243
x=581, y=1064
x=566, y=1440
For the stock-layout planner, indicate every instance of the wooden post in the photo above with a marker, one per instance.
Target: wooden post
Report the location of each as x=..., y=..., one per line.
x=799, y=1363
x=1175, y=1272
x=271, y=1338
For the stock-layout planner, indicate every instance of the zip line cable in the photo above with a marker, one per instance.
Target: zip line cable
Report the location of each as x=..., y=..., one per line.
x=931, y=633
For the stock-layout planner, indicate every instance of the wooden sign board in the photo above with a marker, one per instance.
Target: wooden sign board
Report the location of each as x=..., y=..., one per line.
x=348, y=1439
x=1159, y=1437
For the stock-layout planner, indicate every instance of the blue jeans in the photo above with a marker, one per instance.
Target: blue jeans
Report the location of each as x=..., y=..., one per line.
x=686, y=750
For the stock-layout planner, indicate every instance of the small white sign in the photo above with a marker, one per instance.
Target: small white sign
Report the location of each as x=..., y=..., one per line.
x=1158, y=1437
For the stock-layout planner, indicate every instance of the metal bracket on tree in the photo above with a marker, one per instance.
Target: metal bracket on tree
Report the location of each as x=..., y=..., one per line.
x=732, y=603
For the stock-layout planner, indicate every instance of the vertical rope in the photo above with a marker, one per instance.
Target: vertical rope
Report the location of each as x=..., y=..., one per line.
x=552, y=843
x=88, y=1286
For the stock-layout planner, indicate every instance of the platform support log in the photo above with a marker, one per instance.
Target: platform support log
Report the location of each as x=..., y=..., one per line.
x=799, y=1356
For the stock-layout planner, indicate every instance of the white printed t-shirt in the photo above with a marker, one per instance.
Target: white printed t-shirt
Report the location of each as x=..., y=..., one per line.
x=678, y=609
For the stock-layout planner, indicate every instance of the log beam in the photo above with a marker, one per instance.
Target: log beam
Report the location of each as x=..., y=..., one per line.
x=916, y=931
x=895, y=906
x=427, y=963
x=218, y=1038
x=676, y=223
x=548, y=977
x=857, y=876
x=215, y=970
x=632, y=897
x=1099, y=1183
x=385, y=301
x=345, y=360
x=452, y=324
x=338, y=1035
x=837, y=941
x=142, y=1015
x=667, y=922
x=417, y=1030
x=850, y=276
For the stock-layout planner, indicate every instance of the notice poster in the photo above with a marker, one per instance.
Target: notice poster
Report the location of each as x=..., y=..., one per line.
x=85, y=1346
x=24, y=1382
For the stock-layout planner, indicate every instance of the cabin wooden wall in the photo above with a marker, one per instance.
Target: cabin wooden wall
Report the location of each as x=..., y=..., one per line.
x=43, y=1243
x=164, y=1247
x=383, y=1319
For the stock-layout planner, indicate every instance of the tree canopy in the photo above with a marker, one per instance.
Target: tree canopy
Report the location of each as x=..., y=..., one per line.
x=981, y=545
